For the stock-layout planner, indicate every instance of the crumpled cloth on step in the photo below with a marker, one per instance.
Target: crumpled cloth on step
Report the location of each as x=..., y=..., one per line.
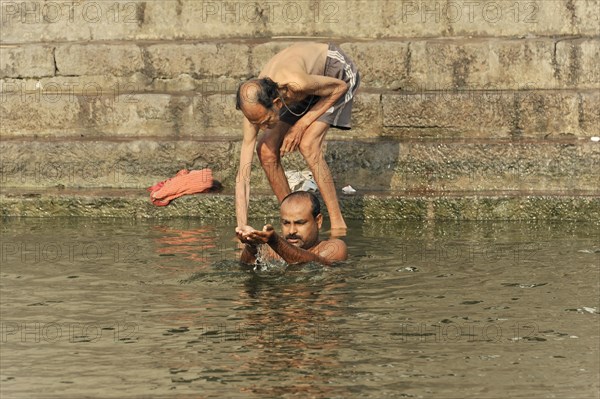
x=183, y=183
x=301, y=180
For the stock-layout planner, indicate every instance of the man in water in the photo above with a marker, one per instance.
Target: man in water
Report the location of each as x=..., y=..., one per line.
x=301, y=220
x=299, y=94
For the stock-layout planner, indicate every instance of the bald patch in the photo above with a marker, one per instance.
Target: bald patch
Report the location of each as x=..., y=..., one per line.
x=297, y=200
x=249, y=92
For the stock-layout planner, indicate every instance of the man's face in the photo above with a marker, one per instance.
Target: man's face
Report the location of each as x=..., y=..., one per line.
x=299, y=227
x=260, y=116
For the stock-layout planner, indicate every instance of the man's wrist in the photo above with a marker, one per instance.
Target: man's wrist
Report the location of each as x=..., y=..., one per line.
x=252, y=248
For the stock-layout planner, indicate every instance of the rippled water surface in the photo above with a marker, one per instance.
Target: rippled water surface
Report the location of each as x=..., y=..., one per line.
x=123, y=308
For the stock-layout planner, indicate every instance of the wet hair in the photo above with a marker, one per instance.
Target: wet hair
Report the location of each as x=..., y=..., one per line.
x=314, y=201
x=267, y=92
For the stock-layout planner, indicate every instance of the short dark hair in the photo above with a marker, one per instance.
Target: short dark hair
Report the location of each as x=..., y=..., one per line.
x=267, y=92
x=314, y=201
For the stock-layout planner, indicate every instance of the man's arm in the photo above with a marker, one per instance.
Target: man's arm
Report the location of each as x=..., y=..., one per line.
x=325, y=252
x=242, y=182
x=250, y=250
x=328, y=89
x=293, y=254
x=249, y=254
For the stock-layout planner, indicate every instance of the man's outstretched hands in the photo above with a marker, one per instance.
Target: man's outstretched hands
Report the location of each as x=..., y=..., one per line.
x=251, y=236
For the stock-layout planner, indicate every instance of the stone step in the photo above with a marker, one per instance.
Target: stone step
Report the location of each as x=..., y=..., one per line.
x=433, y=64
x=200, y=20
x=443, y=114
x=473, y=206
x=566, y=165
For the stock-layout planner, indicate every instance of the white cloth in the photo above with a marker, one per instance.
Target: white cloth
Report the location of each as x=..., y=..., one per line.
x=301, y=180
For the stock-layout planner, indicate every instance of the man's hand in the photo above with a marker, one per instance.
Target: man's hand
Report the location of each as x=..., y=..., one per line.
x=262, y=237
x=293, y=138
x=243, y=234
x=251, y=236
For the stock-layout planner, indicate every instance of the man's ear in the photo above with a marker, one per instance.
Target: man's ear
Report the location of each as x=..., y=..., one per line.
x=277, y=103
x=319, y=220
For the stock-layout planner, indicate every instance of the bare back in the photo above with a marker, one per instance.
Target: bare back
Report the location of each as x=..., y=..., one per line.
x=296, y=60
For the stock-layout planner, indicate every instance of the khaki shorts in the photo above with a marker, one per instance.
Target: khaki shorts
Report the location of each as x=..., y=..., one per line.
x=337, y=65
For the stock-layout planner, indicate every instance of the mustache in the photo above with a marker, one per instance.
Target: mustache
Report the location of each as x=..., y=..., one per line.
x=293, y=237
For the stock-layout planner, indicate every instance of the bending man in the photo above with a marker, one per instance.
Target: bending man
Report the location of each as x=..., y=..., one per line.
x=301, y=220
x=299, y=94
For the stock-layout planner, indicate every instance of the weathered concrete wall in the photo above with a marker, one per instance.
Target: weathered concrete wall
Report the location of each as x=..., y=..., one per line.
x=457, y=97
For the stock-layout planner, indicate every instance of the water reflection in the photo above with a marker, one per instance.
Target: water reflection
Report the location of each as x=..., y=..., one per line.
x=194, y=245
x=292, y=320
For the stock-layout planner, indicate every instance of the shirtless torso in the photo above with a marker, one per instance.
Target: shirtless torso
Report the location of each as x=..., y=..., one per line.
x=296, y=62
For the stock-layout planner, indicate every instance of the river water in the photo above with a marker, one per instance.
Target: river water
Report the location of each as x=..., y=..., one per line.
x=128, y=308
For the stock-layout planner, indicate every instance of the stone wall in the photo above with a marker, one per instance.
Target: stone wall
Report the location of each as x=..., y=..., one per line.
x=459, y=99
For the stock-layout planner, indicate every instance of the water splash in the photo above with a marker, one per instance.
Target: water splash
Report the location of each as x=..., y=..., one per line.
x=265, y=261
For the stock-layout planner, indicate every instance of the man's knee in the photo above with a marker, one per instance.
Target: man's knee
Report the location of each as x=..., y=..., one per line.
x=311, y=150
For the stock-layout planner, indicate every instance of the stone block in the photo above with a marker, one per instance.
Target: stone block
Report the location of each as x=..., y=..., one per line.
x=438, y=18
x=65, y=114
x=99, y=59
x=381, y=64
x=214, y=115
x=26, y=61
x=367, y=116
x=205, y=86
x=139, y=115
x=198, y=60
x=445, y=114
x=520, y=167
x=110, y=163
x=585, y=17
x=33, y=115
x=476, y=65
x=577, y=63
x=546, y=114
x=589, y=112
x=47, y=21
x=490, y=114
x=506, y=18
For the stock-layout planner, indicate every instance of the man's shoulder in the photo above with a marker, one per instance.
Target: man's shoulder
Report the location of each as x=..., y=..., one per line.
x=332, y=241
x=333, y=249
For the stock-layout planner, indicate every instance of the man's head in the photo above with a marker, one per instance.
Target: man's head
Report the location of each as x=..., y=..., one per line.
x=259, y=100
x=301, y=219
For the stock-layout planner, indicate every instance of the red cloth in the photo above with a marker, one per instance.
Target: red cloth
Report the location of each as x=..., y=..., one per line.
x=183, y=183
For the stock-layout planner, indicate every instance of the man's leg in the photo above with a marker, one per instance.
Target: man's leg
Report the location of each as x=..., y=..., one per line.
x=311, y=148
x=270, y=158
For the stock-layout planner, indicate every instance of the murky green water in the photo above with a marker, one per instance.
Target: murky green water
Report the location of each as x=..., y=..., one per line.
x=114, y=308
